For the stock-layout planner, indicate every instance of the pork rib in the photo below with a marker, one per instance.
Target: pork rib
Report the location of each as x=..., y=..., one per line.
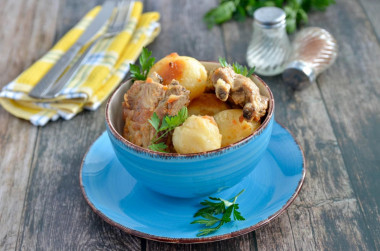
x=240, y=90
x=142, y=100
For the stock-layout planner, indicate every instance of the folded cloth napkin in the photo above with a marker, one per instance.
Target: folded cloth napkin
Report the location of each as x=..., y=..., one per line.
x=104, y=68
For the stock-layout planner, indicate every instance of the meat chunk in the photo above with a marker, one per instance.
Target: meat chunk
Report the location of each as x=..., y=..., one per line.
x=139, y=104
x=142, y=100
x=175, y=98
x=240, y=90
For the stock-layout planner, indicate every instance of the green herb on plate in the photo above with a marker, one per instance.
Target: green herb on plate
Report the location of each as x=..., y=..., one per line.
x=165, y=126
x=213, y=208
x=238, y=69
x=296, y=10
x=146, y=62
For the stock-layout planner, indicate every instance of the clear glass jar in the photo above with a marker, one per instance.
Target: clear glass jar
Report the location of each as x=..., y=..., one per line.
x=269, y=48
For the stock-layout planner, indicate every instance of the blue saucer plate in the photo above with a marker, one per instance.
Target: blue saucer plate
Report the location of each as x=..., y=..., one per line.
x=123, y=202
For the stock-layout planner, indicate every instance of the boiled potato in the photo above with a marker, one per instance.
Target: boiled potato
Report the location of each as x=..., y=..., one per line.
x=188, y=71
x=197, y=134
x=233, y=127
x=207, y=104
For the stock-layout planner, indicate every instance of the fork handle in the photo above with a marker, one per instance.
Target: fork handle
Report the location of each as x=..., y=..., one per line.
x=65, y=79
x=43, y=86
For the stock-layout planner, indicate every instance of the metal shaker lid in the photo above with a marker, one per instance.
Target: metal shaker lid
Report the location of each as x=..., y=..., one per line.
x=298, y=75
x=269, y=16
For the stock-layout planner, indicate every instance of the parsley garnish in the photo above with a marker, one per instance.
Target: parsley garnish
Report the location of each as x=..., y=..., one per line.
x=167, y=125
x=216, y=207
x=146, y=62
x=223, y=62
x=220, y=14
x=238, y=69
x=296, y=10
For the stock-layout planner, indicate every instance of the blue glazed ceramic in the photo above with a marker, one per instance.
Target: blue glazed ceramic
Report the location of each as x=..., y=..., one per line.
x=189, y=175
x=124, y=202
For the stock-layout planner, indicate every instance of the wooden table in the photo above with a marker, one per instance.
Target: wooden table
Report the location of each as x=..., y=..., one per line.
x=337, y=122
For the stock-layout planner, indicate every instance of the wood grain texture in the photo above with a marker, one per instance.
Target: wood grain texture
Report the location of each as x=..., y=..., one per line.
x=183, y=31
x=56, y=216
x=14, y=174
x=352, y=96
x=20, y=44
x=335, y=121
x=372, y=9
x=327, y=180
x=245, y=242
x=26, y=33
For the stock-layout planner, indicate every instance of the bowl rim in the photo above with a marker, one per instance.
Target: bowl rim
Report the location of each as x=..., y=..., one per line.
x=139, y=149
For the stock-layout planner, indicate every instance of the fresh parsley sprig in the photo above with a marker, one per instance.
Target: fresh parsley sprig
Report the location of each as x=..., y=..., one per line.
x=220, y=14
x=239, y=69
x=165, y=126
x=223, y=62
x=146, y=62
x=214, y=207
x=296, y=10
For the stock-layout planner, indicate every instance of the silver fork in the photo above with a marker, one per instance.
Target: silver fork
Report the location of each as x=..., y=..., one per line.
x=116, y=25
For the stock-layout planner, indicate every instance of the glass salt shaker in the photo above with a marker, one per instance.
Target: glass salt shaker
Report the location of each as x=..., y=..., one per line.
x=314, y=50
x=269, y=48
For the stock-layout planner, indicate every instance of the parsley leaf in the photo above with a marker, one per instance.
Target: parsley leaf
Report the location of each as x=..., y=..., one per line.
x=154, y=121
x=159, y=147
x=238, y=69
x=146, y=62
x=223, y=62
x=214, y=207
x=168, y=124
x=296, y=10
x=219, y=14
x=237, y=215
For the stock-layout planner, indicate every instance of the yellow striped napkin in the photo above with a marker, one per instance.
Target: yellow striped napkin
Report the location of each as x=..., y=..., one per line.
x=105, y=67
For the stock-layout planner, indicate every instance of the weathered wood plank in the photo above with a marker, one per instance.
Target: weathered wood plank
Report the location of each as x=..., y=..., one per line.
x=326, y=180
x=326, y=226
x=372, y=9
x=183, y=31
x=245, y=242
x=17, y=139
x=278, y=235
x=26, y=30
x=338, y=207
x=305, y=114
x=352, y=95
x=56, y=216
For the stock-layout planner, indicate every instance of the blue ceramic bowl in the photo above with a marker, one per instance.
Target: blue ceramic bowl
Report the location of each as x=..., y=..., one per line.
x=189, y=175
